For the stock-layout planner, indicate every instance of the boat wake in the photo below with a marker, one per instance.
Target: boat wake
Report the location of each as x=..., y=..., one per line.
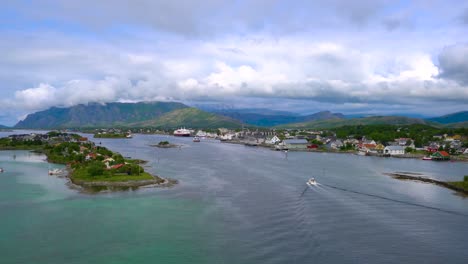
x=393, y=200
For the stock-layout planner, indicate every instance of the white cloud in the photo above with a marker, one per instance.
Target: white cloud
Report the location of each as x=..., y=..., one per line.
x=37, y=97
x=286, y=68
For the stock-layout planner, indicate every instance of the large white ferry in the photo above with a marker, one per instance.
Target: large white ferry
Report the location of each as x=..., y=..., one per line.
x=182, y=132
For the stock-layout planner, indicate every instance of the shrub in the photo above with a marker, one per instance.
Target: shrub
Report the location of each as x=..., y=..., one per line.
x=162, y=143
x=409, y=150
x=96, y=168
x=130, y=169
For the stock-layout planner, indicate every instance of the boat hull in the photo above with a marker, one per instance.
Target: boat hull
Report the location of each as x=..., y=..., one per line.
x=182, y=135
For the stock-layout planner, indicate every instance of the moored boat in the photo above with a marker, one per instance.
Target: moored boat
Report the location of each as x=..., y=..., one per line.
x=362, y=153
x=427, y=158
x=55, y=172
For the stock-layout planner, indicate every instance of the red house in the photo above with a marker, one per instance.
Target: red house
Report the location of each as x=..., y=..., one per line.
x=440, y=155
x=432, y=149
x=117, y=166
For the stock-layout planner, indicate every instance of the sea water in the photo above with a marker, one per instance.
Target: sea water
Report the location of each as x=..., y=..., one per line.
x=234, y=204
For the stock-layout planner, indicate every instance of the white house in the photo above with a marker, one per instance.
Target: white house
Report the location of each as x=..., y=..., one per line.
x=336, y=144
x=200, y=133
x=273, y=140
x=296, y=143
x=228, y=136
x=394, y=150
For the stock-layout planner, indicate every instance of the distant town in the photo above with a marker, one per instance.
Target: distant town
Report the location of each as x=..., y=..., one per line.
x=410, y=141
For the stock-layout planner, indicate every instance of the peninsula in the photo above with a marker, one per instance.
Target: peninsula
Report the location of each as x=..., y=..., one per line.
x=88, y=165
x=458, y=186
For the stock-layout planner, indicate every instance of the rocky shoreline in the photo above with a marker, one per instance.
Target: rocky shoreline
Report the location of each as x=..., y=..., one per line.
x=459, y=158
x=421, y=178
x=118, y=184
x=166, y=146
x=97, y=186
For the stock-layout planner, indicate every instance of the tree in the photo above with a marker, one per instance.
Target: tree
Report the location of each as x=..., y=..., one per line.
x=316, y=142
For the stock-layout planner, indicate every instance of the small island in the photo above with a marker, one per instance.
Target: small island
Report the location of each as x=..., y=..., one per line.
x=165, y=144
x=88, y=165
x=112, y=135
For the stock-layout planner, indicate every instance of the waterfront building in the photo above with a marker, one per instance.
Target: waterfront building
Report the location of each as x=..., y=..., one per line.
x=394, y=150
x=440, y=155
x=296, y=143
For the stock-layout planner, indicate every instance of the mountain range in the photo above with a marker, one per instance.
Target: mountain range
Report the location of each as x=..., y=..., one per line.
x=174, y=115
x=156, y=114
x=372, y=120
x=327, y=119
x=190, y=117
x=95, y=115
x=268, y=119
x=451, y=118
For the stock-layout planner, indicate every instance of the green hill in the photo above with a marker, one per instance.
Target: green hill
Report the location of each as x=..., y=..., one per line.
x=190, y=117
x=98, y=115
x=451, y=118
x=373, y=120
x=271, y=119
x=458, y=125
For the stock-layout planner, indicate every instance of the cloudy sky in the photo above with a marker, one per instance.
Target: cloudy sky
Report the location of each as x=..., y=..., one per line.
x=364, y=56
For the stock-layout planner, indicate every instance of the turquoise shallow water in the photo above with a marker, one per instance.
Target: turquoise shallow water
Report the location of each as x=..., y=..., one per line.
x=234, y=204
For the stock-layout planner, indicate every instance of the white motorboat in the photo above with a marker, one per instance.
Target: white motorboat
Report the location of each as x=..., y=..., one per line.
x=55, y=172
x=196, y=139
x=312, y=182
x=1, y=170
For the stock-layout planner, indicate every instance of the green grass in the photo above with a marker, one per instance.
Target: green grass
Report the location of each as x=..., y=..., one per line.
x=462, y=184
x=22, y=147
x=82, y=174
x=190, y=117
x=110, y=136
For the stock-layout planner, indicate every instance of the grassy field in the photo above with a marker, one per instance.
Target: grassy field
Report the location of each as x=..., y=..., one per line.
x=82, y=174
x=462, y=184
x=110, y=135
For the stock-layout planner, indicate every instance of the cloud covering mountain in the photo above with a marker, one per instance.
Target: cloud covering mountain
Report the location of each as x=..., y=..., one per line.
x=347, y=56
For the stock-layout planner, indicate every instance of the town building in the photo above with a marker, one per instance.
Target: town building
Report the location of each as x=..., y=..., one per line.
x=440, y=155
x=394, y=150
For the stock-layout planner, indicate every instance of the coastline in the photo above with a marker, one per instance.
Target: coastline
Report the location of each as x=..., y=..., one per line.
x=458, y=158
x=419, y=177
x=102, y=184
x=111, y=185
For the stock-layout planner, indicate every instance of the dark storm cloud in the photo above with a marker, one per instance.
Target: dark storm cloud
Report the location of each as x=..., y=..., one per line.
x=453, y=62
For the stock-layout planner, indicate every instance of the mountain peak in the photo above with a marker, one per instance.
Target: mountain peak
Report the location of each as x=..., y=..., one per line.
x=95, y=114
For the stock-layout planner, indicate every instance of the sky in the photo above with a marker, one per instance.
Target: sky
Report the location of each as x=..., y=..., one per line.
x=364, y=56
